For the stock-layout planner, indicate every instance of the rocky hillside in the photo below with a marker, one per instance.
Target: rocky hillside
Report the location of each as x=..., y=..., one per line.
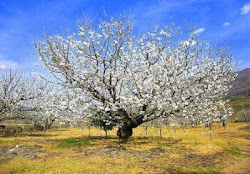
x=241, y=85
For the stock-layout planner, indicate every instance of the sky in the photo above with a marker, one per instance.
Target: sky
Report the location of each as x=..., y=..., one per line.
x=223, y=22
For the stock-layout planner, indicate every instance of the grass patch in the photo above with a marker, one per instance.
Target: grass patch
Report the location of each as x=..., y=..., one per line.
x=143, y=138
x=73, y=142
x=8, y=142
x=232, y=149
x=212, y=170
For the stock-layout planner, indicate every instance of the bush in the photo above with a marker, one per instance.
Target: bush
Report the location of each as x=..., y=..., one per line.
x=103, y=124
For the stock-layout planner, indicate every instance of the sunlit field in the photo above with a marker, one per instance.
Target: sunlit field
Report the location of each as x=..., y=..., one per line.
x=76, y=150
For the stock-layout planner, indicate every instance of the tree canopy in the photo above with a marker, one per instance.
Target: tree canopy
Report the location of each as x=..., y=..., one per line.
x=135, y=78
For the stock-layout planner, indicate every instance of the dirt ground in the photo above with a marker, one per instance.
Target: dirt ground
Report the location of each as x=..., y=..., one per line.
x=76, y=151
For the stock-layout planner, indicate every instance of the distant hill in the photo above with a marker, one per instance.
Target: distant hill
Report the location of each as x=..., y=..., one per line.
x=241, y=85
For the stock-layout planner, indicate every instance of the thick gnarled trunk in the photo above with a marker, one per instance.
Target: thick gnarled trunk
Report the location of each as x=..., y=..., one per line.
x=126, y=130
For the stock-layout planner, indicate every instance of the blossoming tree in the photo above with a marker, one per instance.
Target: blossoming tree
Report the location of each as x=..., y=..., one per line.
x=17, y=90
x=135, y=78
x=53, y=106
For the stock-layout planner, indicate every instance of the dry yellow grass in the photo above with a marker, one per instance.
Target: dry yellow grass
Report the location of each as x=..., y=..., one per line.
x=74, y=151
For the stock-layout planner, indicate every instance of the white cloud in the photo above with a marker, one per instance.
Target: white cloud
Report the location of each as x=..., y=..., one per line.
x=226, y=24
x=199, y=30
x=7, y=64
x=156, y=9
x=245, y=9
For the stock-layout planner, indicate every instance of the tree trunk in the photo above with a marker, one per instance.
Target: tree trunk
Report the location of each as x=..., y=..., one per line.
x=50, y=123
x=211, y=135
x=106, y=133
x=89, y=130
x=210, y=131
x=146, y=130
x=168, y=126
x=125, y=132
x=247, y=121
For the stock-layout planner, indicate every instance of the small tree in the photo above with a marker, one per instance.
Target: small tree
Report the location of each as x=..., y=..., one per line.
x=146, y=126
x=105, y=125
x=159, y=124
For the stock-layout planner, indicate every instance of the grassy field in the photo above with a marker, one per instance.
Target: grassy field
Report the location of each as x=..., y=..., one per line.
x=75, y=151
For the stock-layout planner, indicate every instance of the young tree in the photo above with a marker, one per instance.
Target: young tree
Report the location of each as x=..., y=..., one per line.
x=145, y=126
x=106, y=125
x=136, y=78
x=160, y=123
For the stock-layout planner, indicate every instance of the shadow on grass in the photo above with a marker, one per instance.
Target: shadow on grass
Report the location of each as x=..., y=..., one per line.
x=93, y=140
x=101, y=138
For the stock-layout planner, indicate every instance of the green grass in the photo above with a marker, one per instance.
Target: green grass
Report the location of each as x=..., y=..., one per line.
x=8, y=142
x=232, y=149
x=73, y=142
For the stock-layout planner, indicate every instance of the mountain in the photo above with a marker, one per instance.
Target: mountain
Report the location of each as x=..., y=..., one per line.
x=241, y=85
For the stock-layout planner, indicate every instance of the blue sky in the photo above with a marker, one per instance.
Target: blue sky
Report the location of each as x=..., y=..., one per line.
x=225, y=22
